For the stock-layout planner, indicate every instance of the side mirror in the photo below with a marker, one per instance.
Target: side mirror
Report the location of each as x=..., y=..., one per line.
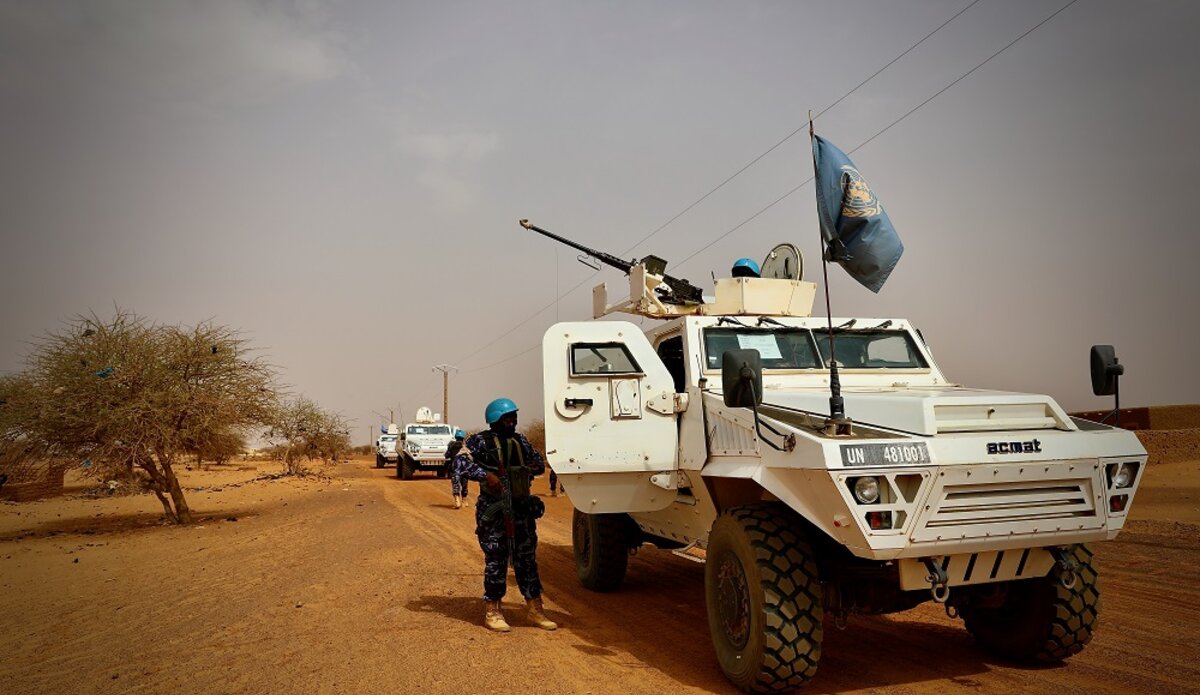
x=741, y=378
x=1105, y=370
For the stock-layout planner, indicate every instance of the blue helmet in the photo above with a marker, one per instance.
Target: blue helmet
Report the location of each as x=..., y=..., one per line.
x=498, y=409
x=746, y=267
x=459, y=434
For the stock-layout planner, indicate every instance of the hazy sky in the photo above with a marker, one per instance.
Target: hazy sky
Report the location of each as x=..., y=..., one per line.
x=343, y=180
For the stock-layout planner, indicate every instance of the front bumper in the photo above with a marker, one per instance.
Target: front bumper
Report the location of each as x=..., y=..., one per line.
x=938, y=511
x=429, y=460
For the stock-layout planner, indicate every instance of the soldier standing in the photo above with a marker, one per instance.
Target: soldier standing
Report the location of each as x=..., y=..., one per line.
x=504, y=463
x=458, y=482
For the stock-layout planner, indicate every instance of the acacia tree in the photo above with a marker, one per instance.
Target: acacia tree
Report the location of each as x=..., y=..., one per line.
x=21, y=459
x=220, y=447
x=306, y=432
x=125, y=394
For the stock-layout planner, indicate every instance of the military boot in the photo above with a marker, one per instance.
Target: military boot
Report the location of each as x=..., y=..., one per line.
x=493, y=617
x=457, y=502
x=536, y=616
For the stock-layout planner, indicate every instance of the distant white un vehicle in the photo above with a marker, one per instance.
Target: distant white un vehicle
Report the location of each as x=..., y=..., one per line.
x=981, y=500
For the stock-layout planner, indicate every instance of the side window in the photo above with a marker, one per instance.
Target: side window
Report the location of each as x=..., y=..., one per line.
x=670, y=351
x=602, y=359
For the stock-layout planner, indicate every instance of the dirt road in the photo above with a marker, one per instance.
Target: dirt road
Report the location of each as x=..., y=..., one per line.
x=365, y=583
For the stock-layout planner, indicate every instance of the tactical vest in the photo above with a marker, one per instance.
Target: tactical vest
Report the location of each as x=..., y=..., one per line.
x=506, y=458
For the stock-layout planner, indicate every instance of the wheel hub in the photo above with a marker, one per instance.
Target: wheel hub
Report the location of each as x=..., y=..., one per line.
x=733, y=601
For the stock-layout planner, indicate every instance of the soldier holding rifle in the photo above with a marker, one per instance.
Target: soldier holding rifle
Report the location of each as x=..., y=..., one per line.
x=504, y=463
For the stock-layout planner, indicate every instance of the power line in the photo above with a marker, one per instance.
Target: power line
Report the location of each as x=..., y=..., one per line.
x=855, y=149
x=792, y=134
x=514, y=328
x=718, y=187
x=506, y=359
x=881, y=132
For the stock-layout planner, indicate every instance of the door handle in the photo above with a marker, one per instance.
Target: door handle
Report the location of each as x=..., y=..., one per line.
x=576, y=402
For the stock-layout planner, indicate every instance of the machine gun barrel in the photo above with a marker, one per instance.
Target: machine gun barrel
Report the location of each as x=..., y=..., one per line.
x=677, y=291
x=605, y=258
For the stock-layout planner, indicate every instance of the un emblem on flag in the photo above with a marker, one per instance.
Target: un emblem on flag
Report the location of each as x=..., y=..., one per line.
x=857, y=198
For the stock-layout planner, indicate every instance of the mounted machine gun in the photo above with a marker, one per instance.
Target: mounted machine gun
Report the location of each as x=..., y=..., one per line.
x=649, y=273
x=654, y=294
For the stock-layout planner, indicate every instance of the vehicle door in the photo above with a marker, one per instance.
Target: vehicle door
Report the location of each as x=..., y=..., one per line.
x=610, y=416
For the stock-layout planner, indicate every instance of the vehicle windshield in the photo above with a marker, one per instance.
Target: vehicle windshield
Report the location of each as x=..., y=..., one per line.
x=428, y=429
x=872, y=349
x=785, y=348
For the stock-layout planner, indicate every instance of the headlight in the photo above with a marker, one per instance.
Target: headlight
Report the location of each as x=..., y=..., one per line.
x=866, y=490
x=1123, y=476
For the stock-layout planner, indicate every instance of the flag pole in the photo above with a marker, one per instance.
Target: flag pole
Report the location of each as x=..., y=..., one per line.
x=837, y=424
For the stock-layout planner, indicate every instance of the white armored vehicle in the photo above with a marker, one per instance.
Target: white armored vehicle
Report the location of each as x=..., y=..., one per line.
x=710, y=434
x=424, y=445
x=386, y=444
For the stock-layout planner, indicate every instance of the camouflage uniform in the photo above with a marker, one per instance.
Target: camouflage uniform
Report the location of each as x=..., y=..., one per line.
x=458, y=481
x=491, y=532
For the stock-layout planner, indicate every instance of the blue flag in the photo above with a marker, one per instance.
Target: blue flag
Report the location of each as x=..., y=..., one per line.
x=857, y=232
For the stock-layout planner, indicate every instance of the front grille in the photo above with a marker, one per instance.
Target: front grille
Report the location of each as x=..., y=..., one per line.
x=985, y=504
x=1010, y=500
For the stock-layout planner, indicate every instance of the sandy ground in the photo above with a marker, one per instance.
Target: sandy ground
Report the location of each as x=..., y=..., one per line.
x=364, y=583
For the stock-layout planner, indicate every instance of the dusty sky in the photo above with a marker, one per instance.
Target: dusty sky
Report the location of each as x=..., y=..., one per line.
x=342, y=180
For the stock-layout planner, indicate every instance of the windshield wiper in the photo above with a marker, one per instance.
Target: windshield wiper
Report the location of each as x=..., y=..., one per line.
x=729, y=319
x=768, y=319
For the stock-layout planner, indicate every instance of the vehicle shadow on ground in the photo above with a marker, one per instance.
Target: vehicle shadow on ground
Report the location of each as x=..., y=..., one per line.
x=659, y=618
x=120, y=523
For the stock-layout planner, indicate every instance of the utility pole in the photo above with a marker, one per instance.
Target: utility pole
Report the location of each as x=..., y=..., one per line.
x=445, y=370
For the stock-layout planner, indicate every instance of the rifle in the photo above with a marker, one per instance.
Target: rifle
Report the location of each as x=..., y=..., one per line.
x=504, y=506
x=677, y=291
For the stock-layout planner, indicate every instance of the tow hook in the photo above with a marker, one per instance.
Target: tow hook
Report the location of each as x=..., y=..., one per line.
x=938, y=581
x=1068, y=567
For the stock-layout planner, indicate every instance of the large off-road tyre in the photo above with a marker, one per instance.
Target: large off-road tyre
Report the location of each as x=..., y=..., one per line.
x=1040, y=620
x=441, y=471
x=379, y=461
x=601, y=543
x=406, y=467
x=763, y=594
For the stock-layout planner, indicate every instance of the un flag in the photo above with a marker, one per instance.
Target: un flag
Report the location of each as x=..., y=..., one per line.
x=857, y=232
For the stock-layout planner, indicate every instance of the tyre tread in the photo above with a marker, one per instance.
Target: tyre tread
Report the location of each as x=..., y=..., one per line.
x=610, y=552
x=1070, y=619
x=789, y=576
